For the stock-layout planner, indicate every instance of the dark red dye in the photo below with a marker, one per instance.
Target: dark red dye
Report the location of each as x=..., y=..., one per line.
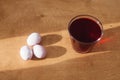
x=85, y=30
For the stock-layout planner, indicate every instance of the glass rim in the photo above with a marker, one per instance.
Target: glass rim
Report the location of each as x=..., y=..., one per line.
x=89, y=17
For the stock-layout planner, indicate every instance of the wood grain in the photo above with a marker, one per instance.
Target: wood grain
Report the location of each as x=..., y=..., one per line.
x=18, y=18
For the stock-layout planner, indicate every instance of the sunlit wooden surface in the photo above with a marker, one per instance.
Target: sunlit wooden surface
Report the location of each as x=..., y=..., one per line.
x=50, y=18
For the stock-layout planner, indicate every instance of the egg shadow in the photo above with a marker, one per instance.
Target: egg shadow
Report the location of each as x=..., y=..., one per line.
x=110, y=41
x=50, y=39
x=53, y=52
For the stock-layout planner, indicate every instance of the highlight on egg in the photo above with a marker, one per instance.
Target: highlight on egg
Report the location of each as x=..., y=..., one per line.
x=39, y=51
x=26, y=53
x=33, y=39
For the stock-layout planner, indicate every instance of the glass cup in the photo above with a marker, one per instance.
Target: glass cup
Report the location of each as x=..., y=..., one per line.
x=85, y=31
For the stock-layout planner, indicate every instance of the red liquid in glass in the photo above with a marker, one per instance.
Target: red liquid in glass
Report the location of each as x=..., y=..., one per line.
x=86, y=31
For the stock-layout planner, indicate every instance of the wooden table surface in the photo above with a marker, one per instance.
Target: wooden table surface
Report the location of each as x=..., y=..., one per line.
x=50, y=18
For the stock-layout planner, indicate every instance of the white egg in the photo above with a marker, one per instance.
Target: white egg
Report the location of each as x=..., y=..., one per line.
x=39, y=51
x=26, y=53
x=33, y=39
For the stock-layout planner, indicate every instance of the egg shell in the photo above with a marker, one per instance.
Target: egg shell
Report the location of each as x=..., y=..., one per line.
x=26, y=53
x=33, y=39
x=39, y=51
